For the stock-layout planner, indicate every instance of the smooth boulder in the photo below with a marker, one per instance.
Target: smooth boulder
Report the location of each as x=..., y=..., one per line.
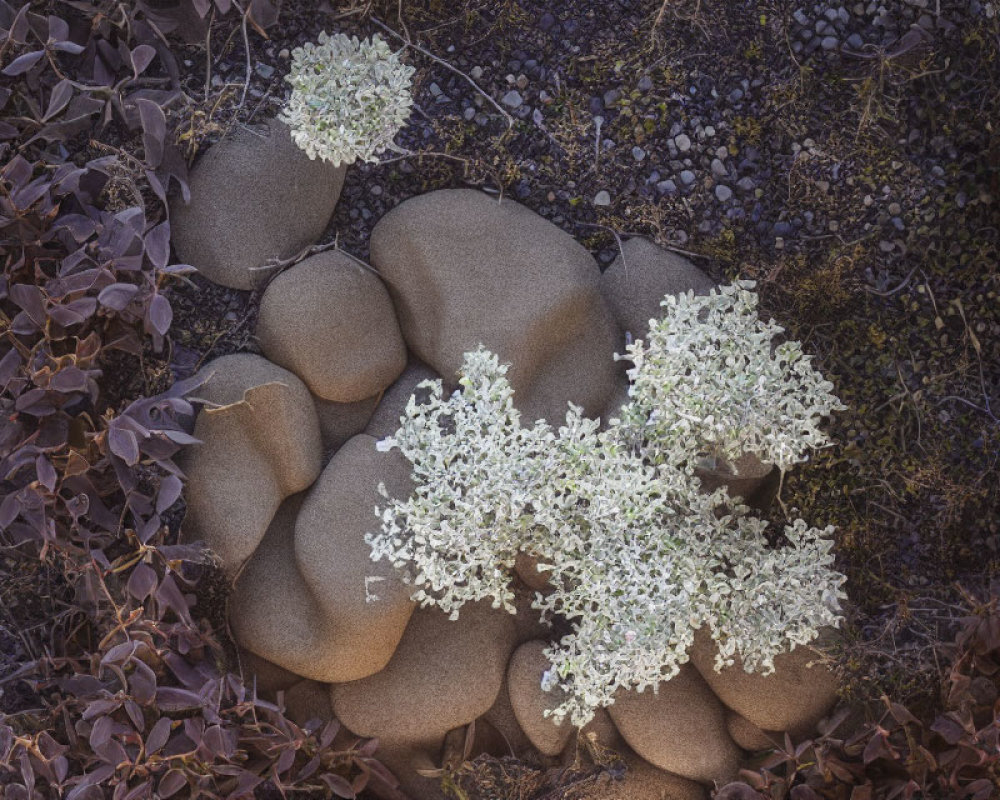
x=444, y=674
x=749, y=736
x=466, y=269
x=641, y=276
x=792, y=698
x=329, y=320
x=680, y=728
x=259, y=444
x=255, y=197
x=273, y=614
x=364, y=602
x=530, y=701
x=338, y=422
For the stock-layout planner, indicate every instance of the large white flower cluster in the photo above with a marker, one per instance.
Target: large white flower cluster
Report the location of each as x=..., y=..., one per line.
x=638, y=555
x=349, y=98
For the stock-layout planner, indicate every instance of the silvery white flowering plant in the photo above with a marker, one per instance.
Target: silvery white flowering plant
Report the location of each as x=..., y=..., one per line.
x=639, y=557
x=349, y=98
x=709, y=384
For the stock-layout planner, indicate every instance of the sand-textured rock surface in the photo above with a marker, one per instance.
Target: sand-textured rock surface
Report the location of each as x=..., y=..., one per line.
x=273, y=614
x=681, y=728
x=641, y=276
x=443, y=674
x=749, y=736
x=526, y=567
x=363, y=601
x=643, y=781
x=330, y=321
x=338, y=422
x=254, y=197
x=385, y=420
x=260, y=444
x=530, y=701
x=465, y=269
x=794, y=697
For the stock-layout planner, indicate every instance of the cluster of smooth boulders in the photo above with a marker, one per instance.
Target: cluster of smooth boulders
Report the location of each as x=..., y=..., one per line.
x=285, y=483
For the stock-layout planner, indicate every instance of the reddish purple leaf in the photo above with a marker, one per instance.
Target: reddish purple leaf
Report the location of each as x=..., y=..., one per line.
x=61, y=94
x=117, y=296
x=142, y=581
x=160, y=314
x=123, y=444
x=158, y=245
x=158, y=736
x=171, y=783
x=141, y=58
x=170, y=490
x=154, y=130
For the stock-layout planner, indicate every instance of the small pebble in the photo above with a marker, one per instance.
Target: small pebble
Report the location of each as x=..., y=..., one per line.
x=667, y=187
x=687, y=177
x=683, y=142
x=638, y=153
x=602, y=198
x=512, y=99
x=723, y=193
x=718, y=168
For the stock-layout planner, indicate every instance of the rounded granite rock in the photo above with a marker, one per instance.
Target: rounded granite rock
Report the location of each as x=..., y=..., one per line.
x=530, y=701
x=260, y=443
x=792, y=698
x=444, y=674
x=330, y=321
x=466, y=269
x=680, y=728
x=749, y=736
x=643, y=781
x=338, y=422
x=364, y=602
x=255, y=197
x=641, y=276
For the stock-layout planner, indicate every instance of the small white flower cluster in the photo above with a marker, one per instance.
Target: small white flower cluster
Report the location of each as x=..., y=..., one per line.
x=639, y=557
x=349, y=98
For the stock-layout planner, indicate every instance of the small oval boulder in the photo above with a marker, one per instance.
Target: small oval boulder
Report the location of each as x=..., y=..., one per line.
x=254, y=197
x=530, y=701
x=259, y=444
x=330, y=321
x=680, y=728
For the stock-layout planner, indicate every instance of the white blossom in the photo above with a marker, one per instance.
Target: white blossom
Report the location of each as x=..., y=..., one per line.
x=638, y=555
x=349, y=98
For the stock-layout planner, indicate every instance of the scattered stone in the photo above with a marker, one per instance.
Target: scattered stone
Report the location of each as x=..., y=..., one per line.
x=794, y=697
x=602, y=198
x=530, y=701
x=683, y=142
x=254, y=198
x=723, y=193
x=443, y=674
x=331, y=322
x=266, y=71
x=687, y=177
x=512, y=99
x=364, y=602
x=465, y=269
x=680, y=728
x=718, y=168
x=260, y=443
x=638, y=153
x=745, y=184
x=641, y=276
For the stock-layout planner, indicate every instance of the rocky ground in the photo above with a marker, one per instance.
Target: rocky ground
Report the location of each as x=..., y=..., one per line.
x=842, y=155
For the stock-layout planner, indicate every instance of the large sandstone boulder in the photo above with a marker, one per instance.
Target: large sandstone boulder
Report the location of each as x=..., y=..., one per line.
x=504, y=721
x=680, y=728
x=444, y=674
x=530, y=701
x=392, y=406
x=793, y=698
x=254, y=197
x=363, y=602
x=308, y=700
x=465, y=269
x=273, y=614
x=641, y=276
x=260, y=444
x=749, y=736
x=330, y=321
